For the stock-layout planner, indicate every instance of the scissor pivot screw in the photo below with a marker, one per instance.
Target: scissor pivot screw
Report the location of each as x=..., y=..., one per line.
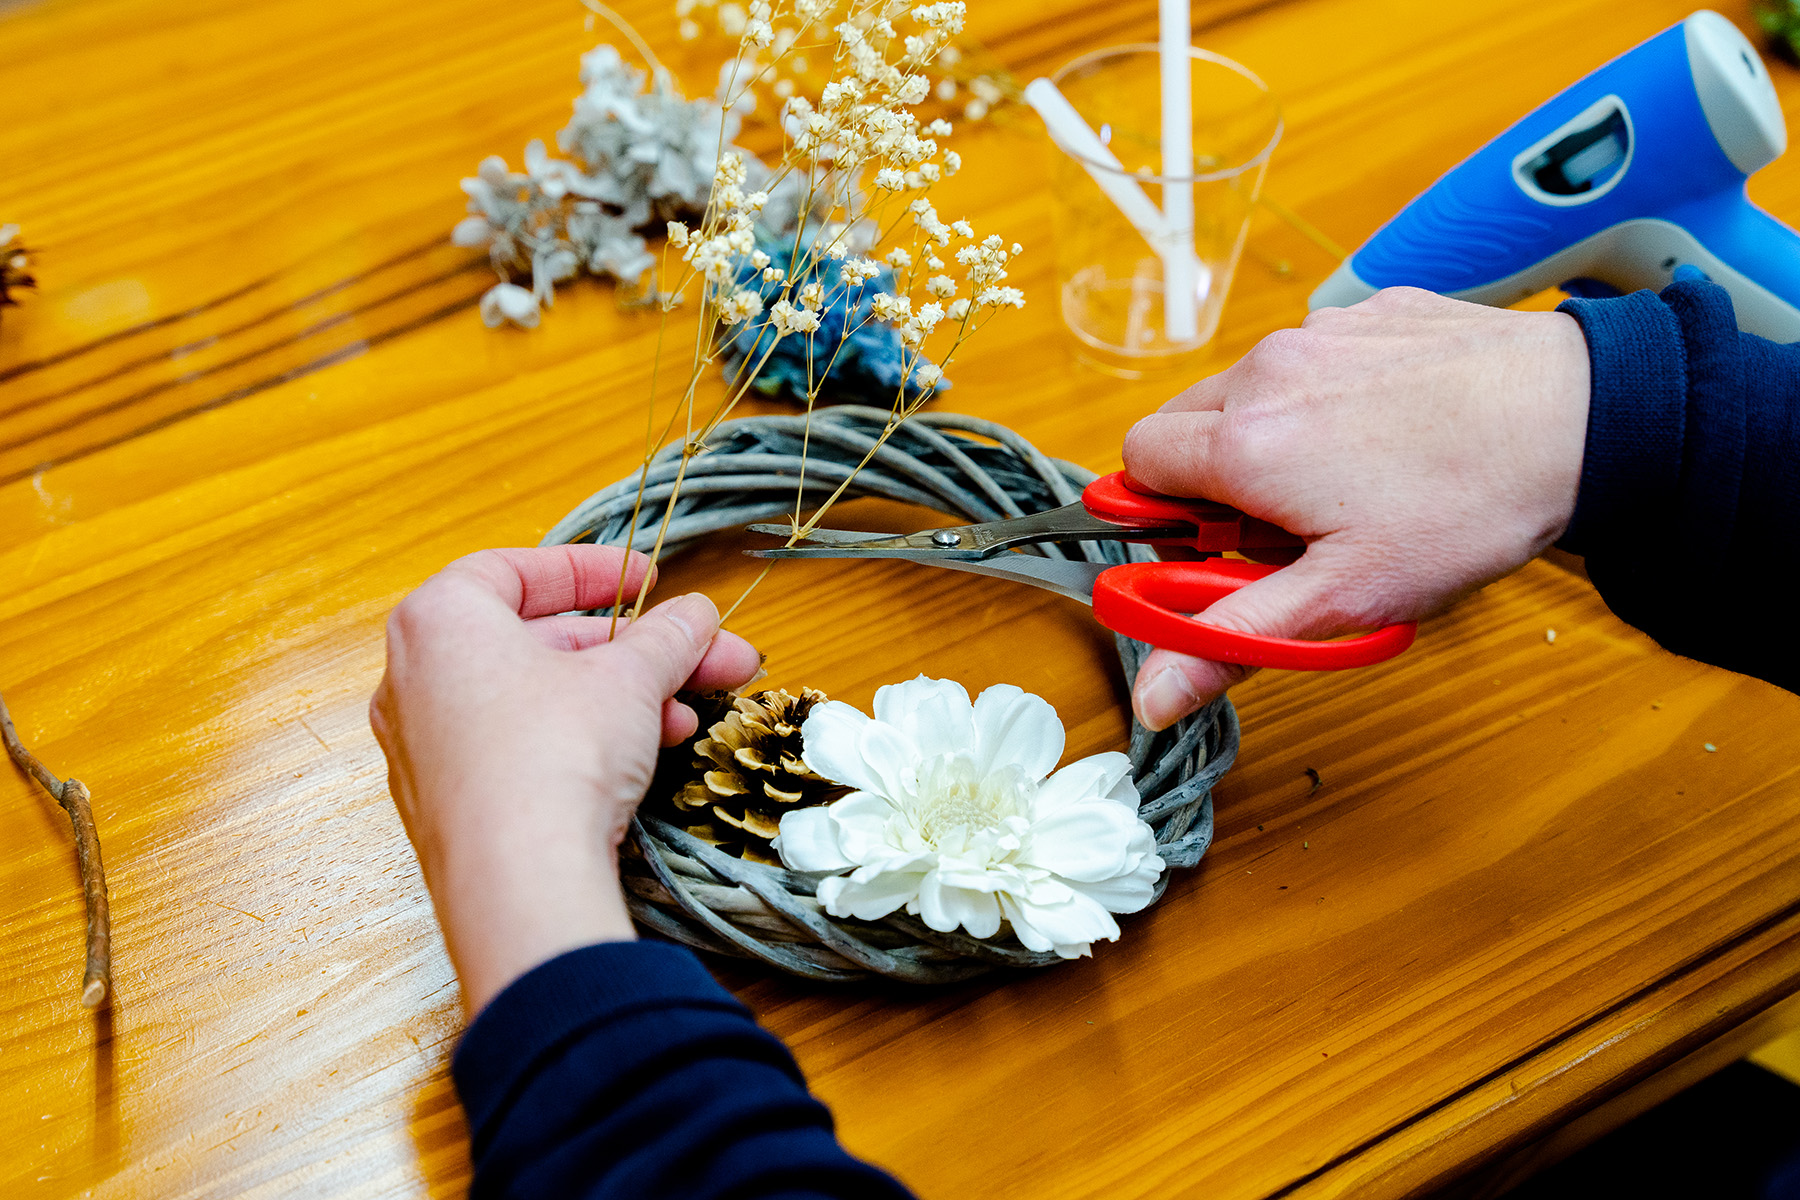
x=946, y=537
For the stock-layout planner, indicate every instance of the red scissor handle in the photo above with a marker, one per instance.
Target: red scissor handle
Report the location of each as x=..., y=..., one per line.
x=1149, y=602
x=1118, y=497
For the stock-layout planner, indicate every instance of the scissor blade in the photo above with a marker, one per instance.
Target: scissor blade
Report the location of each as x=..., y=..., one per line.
x=1073, y=578
x=1071, y=523
x=857, y=550
x=822, y=537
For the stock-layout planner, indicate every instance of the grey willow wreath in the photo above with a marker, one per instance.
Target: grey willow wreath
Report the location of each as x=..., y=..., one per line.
x=685, y=889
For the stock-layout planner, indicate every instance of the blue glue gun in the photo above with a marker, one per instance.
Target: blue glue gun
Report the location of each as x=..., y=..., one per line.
x=1631, y=173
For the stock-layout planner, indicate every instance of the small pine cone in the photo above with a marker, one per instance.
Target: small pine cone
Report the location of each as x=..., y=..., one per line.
x=751, y=773
x=15, y=265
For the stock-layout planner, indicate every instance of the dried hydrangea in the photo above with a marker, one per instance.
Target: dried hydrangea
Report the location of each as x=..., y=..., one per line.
x=641, y=155
x=15, y=265
x=644, y=147
x=854, y=357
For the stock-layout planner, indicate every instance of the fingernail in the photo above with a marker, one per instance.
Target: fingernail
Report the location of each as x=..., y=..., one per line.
x=694, y=612
x=1165, y=699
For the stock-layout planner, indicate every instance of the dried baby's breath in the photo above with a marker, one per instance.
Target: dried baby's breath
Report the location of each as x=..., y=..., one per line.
x=838, y=240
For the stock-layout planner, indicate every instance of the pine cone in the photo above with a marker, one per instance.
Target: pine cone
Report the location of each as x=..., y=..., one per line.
x=15, y=265
x=750, y=773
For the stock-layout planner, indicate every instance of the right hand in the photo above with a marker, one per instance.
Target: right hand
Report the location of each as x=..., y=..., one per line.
x=1422, y=446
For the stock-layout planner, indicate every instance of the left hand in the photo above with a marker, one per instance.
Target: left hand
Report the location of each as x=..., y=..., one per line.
x=519, y=741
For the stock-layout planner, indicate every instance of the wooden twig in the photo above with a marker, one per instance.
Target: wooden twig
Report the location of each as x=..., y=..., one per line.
x=73, y=796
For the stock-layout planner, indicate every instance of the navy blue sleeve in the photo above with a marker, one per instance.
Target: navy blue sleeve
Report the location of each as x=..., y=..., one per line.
x=624, y=1071
x=1689, y=509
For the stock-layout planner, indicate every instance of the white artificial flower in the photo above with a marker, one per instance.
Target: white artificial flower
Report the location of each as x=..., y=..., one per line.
x=889, y=180
x=941, y=286
x=509, y=302
x=678, y=234
x=957, y=818
x=925, y=376
x=899, y=258
x=774, y=275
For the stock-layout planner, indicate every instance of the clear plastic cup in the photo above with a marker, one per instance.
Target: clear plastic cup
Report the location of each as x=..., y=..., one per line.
x=1112, y=273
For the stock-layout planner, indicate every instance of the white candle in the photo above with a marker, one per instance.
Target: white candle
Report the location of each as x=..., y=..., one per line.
x=1181, y=269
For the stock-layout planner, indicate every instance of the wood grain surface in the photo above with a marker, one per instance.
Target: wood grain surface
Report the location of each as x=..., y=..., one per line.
x=252, y=405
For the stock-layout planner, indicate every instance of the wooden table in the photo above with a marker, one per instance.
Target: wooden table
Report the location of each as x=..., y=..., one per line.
x=252, y=405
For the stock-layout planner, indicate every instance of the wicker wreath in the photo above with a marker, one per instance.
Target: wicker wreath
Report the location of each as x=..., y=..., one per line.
x=687, y=890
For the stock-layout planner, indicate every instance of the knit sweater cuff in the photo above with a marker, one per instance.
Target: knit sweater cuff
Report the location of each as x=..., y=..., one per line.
x=1636, y=415
x=563, y=999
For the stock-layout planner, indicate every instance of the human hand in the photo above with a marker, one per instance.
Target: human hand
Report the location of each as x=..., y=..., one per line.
x=1422, y=446
x=519, y=740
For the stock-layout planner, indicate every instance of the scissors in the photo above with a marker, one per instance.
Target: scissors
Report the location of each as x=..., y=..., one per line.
x=1149, y=601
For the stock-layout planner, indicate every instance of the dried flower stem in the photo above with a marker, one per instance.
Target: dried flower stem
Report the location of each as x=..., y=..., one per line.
x=631, y=35
x=73, y=796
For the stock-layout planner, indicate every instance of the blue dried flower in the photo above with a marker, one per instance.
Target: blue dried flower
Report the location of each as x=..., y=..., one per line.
x=869, y=366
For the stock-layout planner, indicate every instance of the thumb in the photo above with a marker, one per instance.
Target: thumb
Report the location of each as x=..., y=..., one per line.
x=1296, y=601
x=668, y=642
